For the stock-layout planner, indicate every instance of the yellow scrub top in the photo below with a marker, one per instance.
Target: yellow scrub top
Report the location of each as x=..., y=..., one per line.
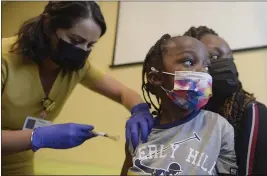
x=22, y=93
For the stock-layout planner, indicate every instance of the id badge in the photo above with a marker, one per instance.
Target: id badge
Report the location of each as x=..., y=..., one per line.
x=32, y=122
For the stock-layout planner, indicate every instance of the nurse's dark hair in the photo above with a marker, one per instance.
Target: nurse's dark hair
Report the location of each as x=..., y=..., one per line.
x=33, y=36
x=153, y=59
x=234, y=106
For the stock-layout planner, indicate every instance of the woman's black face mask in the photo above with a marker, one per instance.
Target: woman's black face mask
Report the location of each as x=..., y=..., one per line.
x=225, y=76
x=68, y=56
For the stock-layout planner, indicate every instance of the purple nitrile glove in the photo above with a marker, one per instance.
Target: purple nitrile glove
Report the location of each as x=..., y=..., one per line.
x=61, y=136
x=140, y=121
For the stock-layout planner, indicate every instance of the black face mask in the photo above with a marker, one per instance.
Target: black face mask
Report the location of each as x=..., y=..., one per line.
x=69, y=57
x=225, y=76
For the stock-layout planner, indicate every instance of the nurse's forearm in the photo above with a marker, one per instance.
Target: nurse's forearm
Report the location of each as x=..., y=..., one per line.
x=113, y=89
x=130, y=98
x=15, y=141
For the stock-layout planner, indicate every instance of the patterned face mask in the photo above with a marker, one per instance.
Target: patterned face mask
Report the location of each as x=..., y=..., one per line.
x=191, y=91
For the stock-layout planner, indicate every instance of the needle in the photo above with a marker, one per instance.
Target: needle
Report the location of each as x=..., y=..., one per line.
x=114, y=138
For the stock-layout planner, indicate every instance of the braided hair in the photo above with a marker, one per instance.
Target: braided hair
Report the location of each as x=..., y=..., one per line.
x=199, y=32
x=153, y=59
x=233, y=107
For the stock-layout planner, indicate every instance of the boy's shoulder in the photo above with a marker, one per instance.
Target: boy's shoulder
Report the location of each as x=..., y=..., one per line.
x=210, y=114
x=221, y=121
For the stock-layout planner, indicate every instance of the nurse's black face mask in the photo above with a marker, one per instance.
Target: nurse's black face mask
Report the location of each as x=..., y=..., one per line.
x=225, y=76
x=68, y=56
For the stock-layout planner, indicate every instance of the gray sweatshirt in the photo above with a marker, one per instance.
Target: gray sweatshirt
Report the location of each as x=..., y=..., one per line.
x=201, y=144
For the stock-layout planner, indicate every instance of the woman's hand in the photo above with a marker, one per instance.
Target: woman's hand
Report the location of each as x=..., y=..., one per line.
x=62, y=136
x=140, y=121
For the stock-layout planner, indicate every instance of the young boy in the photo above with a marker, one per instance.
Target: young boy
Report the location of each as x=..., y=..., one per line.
x=185, y=140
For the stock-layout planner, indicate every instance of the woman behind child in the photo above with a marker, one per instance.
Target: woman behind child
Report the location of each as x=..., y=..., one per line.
x=185, y=140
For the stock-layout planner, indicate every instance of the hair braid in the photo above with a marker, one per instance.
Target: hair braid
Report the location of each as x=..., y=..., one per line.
x=153, y=59
x=199, y=32
x=235, y=106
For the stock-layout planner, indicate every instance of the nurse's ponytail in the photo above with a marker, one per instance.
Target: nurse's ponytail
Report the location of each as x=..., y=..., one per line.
x=31, y=42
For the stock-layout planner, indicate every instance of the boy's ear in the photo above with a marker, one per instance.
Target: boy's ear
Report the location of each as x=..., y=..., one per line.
x=155, y=78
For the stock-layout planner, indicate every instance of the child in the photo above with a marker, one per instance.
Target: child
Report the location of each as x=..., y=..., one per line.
x=185, y=139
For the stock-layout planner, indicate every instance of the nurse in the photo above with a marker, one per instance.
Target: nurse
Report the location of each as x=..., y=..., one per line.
x=41, y=66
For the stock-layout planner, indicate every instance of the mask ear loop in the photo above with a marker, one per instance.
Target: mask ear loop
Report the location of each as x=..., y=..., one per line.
x=145, y=88
x=155, y=70
x=157, y=113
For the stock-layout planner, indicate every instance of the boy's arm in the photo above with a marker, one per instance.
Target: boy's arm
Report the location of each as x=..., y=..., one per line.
x=226, y=163
x=127, y=162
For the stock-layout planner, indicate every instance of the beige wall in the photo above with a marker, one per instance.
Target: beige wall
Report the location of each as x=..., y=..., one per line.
x=87, y=107
x=252, y=67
